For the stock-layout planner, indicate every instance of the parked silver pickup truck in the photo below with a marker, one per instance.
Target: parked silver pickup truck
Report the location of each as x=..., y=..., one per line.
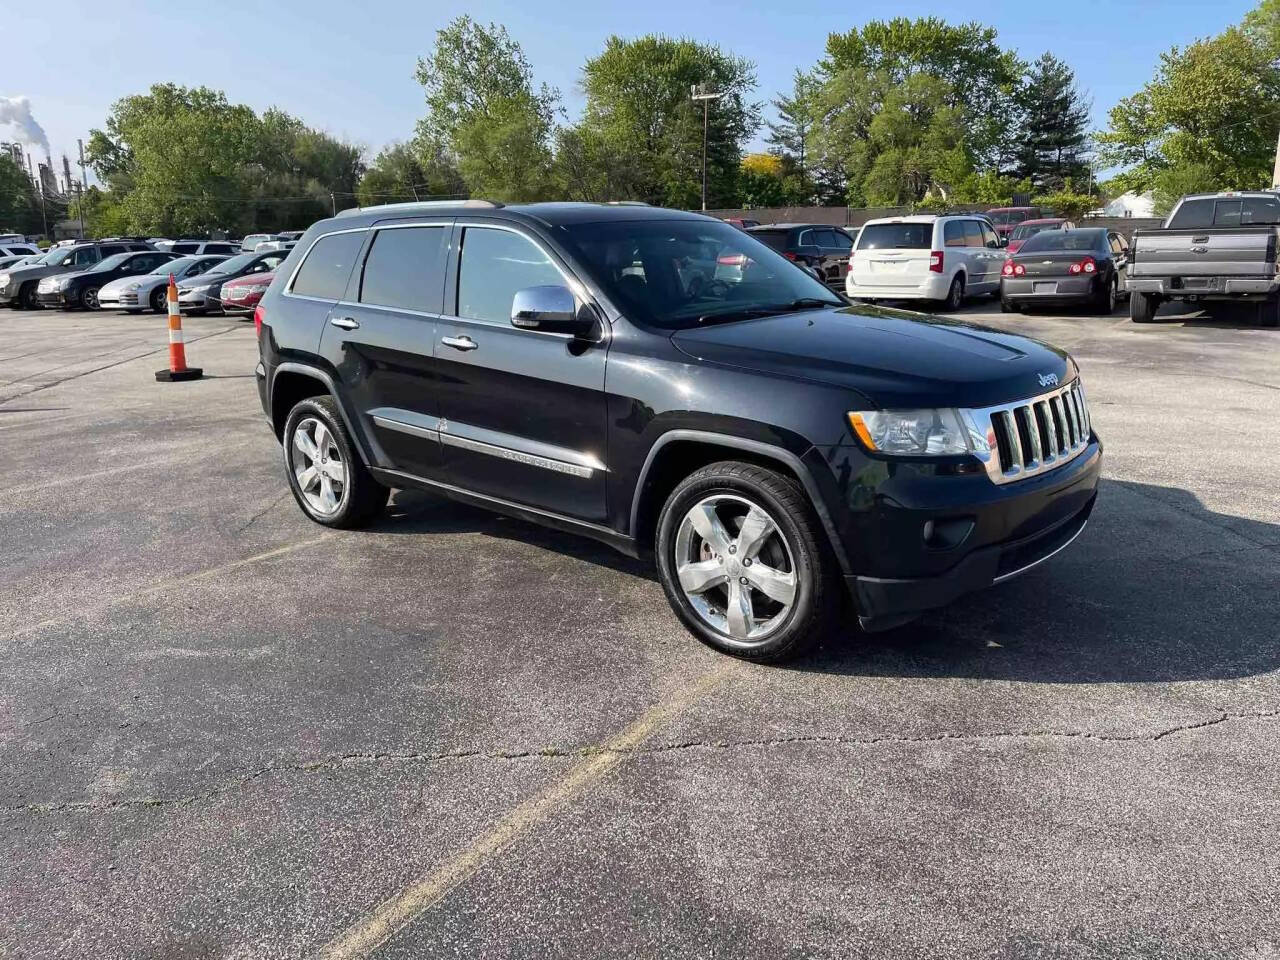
x=1217, y=247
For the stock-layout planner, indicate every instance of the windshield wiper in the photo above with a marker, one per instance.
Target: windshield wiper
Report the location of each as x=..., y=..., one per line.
x=805, y=303
x=769, y=310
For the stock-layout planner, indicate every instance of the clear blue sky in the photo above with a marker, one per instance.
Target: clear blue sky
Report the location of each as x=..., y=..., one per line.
x=347, y=67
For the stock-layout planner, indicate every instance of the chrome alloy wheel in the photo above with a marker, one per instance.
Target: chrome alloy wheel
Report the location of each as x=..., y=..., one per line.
x=318, y=467
x=735, y=568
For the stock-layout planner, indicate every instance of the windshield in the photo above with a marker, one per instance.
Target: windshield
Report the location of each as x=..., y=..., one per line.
x=896, y=236
x=58, y=257
x=678, y=273
x=1064, y=240
x=1024, y=230
x=234, y=264
x=110, y=263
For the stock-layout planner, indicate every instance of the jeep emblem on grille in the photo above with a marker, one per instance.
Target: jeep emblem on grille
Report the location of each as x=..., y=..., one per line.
x=1048, y=379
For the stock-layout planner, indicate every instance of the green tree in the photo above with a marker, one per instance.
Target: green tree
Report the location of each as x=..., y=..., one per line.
x=1207, y=118
x=484, y=113
x=400, y=174
x=19, y=205
x=981, y=78
x=789, y=134
x=1053, y=124
x=639, y=112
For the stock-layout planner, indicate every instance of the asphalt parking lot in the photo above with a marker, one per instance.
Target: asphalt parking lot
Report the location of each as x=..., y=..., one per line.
x=227, y=732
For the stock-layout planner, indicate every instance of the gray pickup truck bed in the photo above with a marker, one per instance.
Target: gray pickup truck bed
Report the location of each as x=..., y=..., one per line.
x=1207, y=262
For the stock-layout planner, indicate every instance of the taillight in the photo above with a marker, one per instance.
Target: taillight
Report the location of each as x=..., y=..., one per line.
x=258, y=316
x=935, y=261
x=733, y=259
x=1087, y=265
x=789, y=255
x=1012, y=269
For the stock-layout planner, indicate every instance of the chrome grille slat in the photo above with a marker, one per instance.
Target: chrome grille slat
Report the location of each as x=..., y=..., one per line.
x=1057, y=430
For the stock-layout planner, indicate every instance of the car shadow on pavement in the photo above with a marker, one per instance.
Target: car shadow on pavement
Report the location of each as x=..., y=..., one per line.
x=1157, y=589
x=417, y=512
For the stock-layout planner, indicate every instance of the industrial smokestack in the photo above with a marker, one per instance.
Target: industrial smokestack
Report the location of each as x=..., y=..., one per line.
x=16, y=111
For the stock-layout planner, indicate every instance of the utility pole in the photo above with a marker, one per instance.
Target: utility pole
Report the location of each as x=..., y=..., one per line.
x=1275, y=172
x=80, y=143
x=697, y=92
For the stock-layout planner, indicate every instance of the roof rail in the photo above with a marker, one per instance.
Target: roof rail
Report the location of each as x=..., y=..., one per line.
x=418, y=205
x=626, y=203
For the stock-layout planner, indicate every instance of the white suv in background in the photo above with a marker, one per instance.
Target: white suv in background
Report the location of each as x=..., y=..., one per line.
x=927, y=257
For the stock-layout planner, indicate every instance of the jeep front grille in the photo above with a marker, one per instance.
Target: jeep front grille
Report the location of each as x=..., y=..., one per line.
x=1033, y=436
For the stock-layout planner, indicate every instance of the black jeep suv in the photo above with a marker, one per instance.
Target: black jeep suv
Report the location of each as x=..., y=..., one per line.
x=668, y=384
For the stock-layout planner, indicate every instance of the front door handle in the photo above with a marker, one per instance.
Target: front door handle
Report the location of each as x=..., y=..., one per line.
x=459, y=343
x=346, y=323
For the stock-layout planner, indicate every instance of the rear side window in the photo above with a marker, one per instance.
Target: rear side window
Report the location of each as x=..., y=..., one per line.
x=219, y=248
x=495, y=264
x=111, y=251
x=953, y=233
x=325, y=271
x=185, y=247
x=896, y=236
x=773, y=239
x=1192, y=214
x=403, y=269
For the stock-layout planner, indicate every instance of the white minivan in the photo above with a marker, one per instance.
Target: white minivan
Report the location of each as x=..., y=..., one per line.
x=926, y=257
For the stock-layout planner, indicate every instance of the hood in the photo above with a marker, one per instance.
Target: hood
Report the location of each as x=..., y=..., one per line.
x=144, y=281
x=37, y=272
x=893, y=358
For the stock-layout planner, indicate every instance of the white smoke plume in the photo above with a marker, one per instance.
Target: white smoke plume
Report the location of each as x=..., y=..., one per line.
x=16, y=111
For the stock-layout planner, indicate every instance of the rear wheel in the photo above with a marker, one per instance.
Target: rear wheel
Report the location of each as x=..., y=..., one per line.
x=745, y=563
x=955, y=296
x=1107, y=298
x=1269, y=313
x=326, y=475
x=1143, y=307
x=1007, y=307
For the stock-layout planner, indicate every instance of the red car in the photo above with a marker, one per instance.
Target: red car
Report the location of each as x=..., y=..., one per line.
x=242, y=294
x=1029, y=228
x=1006, y=218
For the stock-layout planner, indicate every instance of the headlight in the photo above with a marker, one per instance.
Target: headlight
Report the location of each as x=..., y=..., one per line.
x=199, y=288
x=64, y=282
x=911, y=433
x=4, y=279
x=132, y=286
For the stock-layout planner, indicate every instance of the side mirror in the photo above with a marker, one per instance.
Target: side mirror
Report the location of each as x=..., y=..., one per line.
x=813, y=272
x=1004, y=242
x=551, y=309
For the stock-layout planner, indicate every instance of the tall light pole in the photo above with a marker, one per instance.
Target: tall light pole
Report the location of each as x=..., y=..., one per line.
x=80, y=144
x=699, y=91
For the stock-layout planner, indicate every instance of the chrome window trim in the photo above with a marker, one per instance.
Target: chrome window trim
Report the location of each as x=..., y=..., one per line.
x=288, y=287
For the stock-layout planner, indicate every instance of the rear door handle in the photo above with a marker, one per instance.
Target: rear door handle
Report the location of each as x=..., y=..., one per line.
x=459, y=343
x=346, y=323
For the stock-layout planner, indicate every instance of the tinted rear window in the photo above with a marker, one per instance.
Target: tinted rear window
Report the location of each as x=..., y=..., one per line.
x=896, y=236
x=403, y=269
x=1050, y=240
x=773, y=239
x=325, y=271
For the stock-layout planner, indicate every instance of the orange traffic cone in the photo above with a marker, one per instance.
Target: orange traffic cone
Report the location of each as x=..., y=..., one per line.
x=178, y=369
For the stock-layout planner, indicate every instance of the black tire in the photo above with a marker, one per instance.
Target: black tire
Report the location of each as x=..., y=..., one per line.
x=89, y=298
x=1107, y=298
x=159, y=300
x=362, y=497
x=1269, y=313
x=955, y=296
x=1007, y=307
x=1143, y=307
x=27, y=297
x=799, y=542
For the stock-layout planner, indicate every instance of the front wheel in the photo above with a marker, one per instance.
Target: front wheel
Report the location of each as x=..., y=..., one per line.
x=89, y=299
x=745, y=563
x=326, y=475
x=27, y=296
x=159, y=300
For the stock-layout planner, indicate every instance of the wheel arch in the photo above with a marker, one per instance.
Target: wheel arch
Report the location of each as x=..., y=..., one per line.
x=291, y=382
x=677, y=453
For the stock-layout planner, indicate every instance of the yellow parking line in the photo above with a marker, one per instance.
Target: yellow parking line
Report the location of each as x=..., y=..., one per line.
x=367, y=934
x=174, y=582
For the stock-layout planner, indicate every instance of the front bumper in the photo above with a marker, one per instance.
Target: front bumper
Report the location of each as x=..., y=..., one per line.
x=1205, y=287
x=986, y=533
x=198, y=300
x=55, y=298
x=1050, y=289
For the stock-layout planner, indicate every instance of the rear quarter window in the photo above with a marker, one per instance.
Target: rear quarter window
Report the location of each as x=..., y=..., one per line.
x=325, y=271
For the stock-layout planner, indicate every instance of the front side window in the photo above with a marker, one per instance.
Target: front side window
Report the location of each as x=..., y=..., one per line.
x=325, y=272
x=185, y=247
x=989, y=238
x=494, y=265
x=85, y=257
x=402, y=269
x=972, y=233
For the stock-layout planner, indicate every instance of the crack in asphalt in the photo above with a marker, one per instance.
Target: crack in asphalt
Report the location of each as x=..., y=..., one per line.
x=263, y=512
x=339, y=761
